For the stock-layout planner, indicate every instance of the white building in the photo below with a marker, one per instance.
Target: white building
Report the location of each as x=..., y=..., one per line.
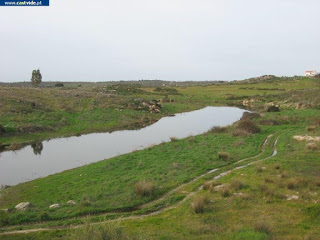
x=311, y=73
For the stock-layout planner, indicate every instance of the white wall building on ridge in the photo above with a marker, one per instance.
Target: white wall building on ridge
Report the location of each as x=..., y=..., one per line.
x=311, y=73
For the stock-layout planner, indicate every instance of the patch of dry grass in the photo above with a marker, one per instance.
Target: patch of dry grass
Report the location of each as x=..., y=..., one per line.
x=248, y=126
x=262, y=227
x=144, y=188
x=218, y=130
x=237, y=185
x=198, y=204
x=312, y=146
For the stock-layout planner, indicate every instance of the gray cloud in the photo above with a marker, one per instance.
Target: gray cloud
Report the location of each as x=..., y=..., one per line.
x=98, y=40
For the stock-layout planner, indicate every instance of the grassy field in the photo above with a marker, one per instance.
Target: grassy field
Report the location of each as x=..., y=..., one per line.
x=274, y=198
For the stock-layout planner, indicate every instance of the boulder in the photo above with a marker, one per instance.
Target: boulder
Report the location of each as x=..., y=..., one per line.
x=292, y=197
x=56, y=205
x=23, y=206
x=71, y=202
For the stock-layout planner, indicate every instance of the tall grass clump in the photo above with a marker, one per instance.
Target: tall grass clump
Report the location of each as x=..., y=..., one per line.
x=311, y=128
x=144, y=188
x=262, y=227
x=225, y=191
x=218, y=130
x=173, y=139
x=250, y=115
x=248, y=126
x=2, y=129
x=85, y=202
x=198, y=204
x=207, y=185
x=312, y=146
x=223, y=156
x=237, y=185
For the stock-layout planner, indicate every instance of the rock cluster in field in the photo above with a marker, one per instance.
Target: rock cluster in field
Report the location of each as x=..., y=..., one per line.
x=153, y=106
x=306, y=138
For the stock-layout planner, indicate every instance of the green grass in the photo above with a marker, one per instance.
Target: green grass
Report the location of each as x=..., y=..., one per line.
x=106, y=190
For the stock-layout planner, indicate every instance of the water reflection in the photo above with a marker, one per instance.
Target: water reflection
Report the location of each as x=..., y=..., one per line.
x=48, y=157
x=37, y=147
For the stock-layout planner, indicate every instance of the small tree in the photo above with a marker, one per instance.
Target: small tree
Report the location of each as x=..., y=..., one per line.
x=36, y=77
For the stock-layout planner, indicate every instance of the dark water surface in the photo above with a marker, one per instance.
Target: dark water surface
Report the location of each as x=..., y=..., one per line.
x=60, y=154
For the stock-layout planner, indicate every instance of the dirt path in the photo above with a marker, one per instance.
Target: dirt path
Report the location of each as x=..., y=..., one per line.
x=187, y=197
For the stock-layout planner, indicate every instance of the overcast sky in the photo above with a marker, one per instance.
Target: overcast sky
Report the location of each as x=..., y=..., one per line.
x=102, y=40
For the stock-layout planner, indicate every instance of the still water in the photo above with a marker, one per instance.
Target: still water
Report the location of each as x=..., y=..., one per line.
x=60, y=154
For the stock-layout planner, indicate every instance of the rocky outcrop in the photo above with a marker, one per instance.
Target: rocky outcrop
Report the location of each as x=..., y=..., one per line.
x=153, y=106
x=306, y=138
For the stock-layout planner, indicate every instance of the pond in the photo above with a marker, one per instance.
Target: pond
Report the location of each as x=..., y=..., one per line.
x=56, y=155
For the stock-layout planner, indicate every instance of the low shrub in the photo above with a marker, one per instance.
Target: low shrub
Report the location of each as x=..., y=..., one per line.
x=268, y=180
x=317, y=121
x=59, y=85
x=296, y=183
x=224, y=156
x=225, y=191
x=262, y=227
x=266, y=190
x=44, y=216
x=237, y=185
x=175, y=165
x=259, y=168
x=240, y=133
x=198, y=204
x=245, y=197
x=318, y=182
x=144, y=188
x=268, y=122
x=283, y=174
x=192, y=139
x=248, y=126
x=2, y=129
x=218, y=129
x=311, y=128
x=86, y=201
x=173, y=139
x=277, y=166
x=15, y=146
x=250, y=116
x=312, y=146
x=273, y=109
x=238, y=143
x=206, y=185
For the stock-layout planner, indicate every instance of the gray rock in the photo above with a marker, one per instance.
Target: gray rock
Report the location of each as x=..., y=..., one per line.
x=23, y=206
